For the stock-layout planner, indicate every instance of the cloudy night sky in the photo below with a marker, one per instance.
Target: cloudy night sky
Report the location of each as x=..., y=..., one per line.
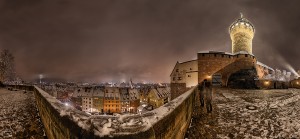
x=114, y=40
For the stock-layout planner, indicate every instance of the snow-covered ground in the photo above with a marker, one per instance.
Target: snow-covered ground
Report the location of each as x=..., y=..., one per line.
x=249, y=114
x=18, y=115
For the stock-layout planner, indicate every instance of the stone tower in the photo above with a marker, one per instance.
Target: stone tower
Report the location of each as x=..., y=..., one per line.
x=241, y=33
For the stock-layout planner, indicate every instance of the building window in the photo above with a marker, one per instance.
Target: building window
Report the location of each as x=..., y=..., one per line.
x=246, y=55
x=179, y=78
x=177, y=70
x=215, y=55
x=174, y=78
x=189, y=75
x=202, y=54
x=190, y=68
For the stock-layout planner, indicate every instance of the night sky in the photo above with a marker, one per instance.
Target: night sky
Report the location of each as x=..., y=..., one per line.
x=110, y=40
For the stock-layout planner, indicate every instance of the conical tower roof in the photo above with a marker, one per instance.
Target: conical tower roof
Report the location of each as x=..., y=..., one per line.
x=241, y=21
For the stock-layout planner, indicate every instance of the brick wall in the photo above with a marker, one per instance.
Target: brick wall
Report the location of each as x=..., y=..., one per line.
x=224, y=64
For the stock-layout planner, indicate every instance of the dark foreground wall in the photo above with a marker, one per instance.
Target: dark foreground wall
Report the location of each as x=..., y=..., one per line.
x=57, y=126
x=173, y=124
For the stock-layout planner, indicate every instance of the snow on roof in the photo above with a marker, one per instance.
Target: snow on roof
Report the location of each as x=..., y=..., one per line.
x=187, y=61
x=124, y=94
x=98, y=92
x=134, y=94
x=214, y=52
x=221, y=52
x=112, y=90
x=261, y=64
x=162, y=92
x=242, y=52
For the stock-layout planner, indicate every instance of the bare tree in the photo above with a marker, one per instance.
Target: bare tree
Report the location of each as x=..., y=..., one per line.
x=7, y=67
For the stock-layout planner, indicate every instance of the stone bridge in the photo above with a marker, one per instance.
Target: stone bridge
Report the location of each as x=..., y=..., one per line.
x=60, y=121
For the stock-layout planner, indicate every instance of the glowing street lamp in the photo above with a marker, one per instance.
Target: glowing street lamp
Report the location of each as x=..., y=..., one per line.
x=267, y=82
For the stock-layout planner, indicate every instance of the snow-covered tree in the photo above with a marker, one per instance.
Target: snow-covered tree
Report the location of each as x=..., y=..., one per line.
x=7, y=67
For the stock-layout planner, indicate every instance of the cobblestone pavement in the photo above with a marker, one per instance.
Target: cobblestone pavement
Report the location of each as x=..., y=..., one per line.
x=248, y=114
x=19, y=116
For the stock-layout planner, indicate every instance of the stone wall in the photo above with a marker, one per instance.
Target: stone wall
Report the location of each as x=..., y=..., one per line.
x=295, y=83
x=268, y=84
x=168, y=121
x=57, y=126
x=174, y=125
x=224, y=64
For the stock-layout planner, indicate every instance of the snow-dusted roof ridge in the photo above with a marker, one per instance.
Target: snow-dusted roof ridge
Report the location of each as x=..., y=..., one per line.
x=262, y=64
x=223, y=52
x=242, y=52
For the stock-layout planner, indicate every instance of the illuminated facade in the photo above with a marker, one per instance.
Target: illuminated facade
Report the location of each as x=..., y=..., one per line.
x=209, y=63
x=241, y=33
x=112, y=100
